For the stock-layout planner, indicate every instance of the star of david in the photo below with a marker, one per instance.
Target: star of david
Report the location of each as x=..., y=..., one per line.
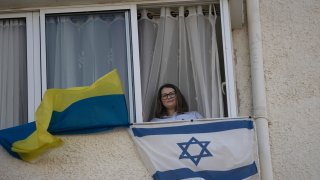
x=195, y=158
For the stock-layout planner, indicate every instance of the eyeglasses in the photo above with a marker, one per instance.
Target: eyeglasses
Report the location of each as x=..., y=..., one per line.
x=168, y=96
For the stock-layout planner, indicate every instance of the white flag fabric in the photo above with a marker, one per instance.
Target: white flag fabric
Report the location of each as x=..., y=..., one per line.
x=224, y=149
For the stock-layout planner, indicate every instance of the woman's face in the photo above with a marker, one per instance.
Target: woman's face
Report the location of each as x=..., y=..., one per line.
x=168, y=98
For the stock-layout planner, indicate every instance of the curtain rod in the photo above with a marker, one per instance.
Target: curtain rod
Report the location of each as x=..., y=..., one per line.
x=176, y=13
x=186, y=4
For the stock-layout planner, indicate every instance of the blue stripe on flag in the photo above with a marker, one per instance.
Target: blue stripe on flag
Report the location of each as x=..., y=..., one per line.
x=234, y=174
x=11, y=135
x=194, y=128
x=91, y=115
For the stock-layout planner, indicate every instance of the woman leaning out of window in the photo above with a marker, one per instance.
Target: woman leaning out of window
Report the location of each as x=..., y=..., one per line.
x=171, y=105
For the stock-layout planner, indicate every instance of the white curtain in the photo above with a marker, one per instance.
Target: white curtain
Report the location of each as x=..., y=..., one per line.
x=82, y=48
x=13, y=73
x=185, y=54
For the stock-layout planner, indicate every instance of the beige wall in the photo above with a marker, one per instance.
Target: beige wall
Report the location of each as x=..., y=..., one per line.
x=291, y=47
x=291, y=52
x=107, y=155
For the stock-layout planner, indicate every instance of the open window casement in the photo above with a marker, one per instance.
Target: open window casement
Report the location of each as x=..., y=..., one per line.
x=187, y=45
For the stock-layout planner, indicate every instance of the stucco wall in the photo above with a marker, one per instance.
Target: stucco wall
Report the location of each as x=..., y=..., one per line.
x=107, y=155
x=291, y=52
x=291, y=47
x=242, y=69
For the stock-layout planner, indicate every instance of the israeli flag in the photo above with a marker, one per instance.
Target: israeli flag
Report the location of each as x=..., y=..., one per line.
x=224, y=149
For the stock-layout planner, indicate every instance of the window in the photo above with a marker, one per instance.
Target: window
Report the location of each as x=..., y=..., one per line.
x=178, y=45
x=184, y=45
x=17, y=92
x=82, y=44
x=79, y=44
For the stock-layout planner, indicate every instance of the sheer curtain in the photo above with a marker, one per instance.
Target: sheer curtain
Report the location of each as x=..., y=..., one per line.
x=185, y=54
x=13, y=73
x=82, y=48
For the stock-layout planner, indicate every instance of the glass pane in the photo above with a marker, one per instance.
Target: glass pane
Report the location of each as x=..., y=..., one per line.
x=179, y=47
x=13, y=73
x=82, y=47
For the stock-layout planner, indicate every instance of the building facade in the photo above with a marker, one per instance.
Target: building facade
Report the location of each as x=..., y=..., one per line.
x=291, y=62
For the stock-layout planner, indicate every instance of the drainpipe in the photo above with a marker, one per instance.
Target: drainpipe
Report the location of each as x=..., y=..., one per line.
x=258, y=88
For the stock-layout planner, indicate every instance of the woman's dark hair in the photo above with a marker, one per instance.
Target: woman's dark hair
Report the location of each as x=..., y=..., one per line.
x=181, y=107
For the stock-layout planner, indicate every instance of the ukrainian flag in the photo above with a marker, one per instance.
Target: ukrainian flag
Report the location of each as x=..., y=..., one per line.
x=101, y=106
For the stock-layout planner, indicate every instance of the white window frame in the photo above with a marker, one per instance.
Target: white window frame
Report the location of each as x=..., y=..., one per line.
x=136, y=106
x=37, y=84
x=133, y=93
x=228, y=58
x=227, y=51
x=33, y=68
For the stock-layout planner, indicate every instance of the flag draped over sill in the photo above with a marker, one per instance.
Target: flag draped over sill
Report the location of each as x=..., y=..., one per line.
x=100, y=106
x=223, y=149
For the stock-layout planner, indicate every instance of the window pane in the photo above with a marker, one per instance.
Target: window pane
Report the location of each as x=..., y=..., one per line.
x=178, y=46
x=13, y=73
x=81, y=48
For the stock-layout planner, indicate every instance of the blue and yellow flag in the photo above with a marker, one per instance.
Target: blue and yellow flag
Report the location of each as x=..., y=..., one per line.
x=100, y=106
